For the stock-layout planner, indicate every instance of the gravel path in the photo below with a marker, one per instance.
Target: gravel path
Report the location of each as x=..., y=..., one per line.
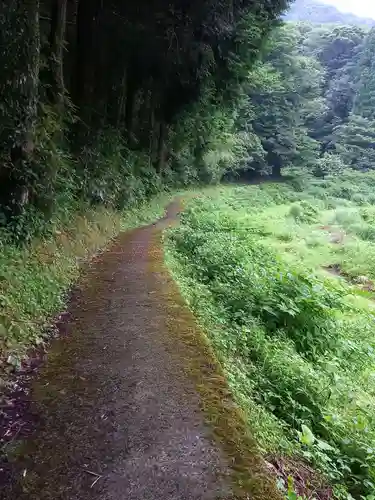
x=118, y=419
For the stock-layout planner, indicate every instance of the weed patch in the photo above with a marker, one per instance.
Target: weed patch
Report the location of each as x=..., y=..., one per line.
x=296, y=344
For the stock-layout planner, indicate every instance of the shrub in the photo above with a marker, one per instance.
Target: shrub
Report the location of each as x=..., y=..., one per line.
x=293, y=391
x=359, y=199
x=251, y=281
x=296, y=211
x=304, y=212
x=298, y=183
x=366, y=232
x=316, y=239
x=328, y=164
x=347, y=217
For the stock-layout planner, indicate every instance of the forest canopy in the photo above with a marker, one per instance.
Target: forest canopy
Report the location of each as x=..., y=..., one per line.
x=109, y=102
x=102, y=99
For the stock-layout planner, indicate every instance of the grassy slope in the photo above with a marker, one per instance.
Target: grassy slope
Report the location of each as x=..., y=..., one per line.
x=307, y=359
x=34, y=280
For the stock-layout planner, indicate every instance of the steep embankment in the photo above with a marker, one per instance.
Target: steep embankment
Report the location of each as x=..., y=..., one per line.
x=295, y=342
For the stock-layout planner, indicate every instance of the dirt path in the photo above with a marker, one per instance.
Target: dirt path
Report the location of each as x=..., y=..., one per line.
x=117, y=417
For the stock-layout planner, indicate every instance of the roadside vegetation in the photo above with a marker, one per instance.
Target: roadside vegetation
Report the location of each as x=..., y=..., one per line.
x=281, y=277
x=102, y=111
x=34, y=279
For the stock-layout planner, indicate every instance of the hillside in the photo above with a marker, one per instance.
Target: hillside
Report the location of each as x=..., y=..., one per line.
x=281, y=276
x=317, y=12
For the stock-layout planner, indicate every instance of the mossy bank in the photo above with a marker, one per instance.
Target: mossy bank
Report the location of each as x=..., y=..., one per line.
x=34, y=280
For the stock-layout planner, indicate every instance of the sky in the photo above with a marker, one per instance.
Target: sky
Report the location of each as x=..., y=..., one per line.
x=364, y=8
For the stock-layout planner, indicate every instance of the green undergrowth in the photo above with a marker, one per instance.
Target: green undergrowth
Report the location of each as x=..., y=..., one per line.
x=280, y=277
x=34, y=279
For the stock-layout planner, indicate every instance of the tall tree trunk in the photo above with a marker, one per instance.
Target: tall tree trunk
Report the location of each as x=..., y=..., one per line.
x=56, y=61
x=131, y=93
x=84, y=57
x=27, y=88
x=276, y=171
x=152, y=123
x=102, y=66
x=162, y=153
x=121, y=102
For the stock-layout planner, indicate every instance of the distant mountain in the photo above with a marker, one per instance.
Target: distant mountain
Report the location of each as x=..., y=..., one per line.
x=317, y=12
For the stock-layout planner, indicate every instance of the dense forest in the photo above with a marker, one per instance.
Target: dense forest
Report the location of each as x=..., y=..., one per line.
x=319, y=80
x=103, y=105
x=106, y=101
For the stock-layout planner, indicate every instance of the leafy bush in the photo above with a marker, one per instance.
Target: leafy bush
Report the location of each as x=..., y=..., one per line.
x=289, y=339
x=296, y=211
x=298, y=182
x=365, y=231
x=328, y=164
x=304, y=212
x=251, y=281
x=315, y=239
x=292, y=392
x=347, y=217
x=359, y=199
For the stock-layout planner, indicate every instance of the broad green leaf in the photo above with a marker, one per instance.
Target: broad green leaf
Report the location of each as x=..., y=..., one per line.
x=306, y=436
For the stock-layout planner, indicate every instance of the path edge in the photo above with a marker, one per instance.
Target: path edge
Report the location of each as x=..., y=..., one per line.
x=251, y=479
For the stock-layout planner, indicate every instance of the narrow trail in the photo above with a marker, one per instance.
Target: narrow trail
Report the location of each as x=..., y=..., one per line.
x=118, y=418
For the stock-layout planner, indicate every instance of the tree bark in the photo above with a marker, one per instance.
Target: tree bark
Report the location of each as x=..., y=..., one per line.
x=152, y=125
x=276, y=171
x=27, y=85
x=84, y=57
x=121, y=103
x=56, y=61
x=131, y=92
x=161, y=147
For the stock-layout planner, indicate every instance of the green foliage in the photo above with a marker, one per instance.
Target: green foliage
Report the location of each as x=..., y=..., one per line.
x=118, y=177
x=365, y=95
x=254, y=283
x=296, y=342
x=296, y=211
x=328, y=164
x=355, y=142
x=304, y=212
x=154, y=108
x=34, y=279
x=207, y=144
x=335, y=104
x=279, y=90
